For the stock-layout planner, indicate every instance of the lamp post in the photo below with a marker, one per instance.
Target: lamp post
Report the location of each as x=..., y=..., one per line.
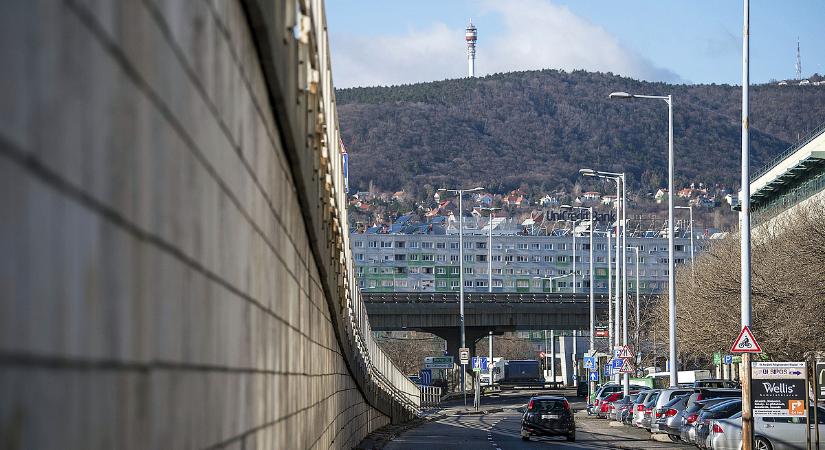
x=592, y=296
x=638, y=317
x=490, y=212
x=621, y=290
x=671, y=264
x=460, y=193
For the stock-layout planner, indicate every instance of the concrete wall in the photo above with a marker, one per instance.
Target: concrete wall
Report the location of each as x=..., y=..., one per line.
x=158, y=284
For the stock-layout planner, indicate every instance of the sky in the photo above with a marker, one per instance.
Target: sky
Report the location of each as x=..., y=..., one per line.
x=389, y=42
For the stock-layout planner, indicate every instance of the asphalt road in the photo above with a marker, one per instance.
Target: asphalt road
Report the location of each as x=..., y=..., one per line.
x=501, y=430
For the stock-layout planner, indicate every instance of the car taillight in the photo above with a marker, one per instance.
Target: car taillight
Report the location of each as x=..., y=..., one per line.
x=530, y=405
x=670, y=412
x=596, y=403
x=640, y=407
x=566, y=405
x=692, y=418
x=717, y=428
x=699, y=397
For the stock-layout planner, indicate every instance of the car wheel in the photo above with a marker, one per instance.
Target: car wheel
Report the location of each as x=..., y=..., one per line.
x=674, y=438
x=571, y=437
x=761, y=443
x=525, y=438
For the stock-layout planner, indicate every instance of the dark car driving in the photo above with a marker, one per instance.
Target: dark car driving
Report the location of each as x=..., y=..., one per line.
x=548, y=416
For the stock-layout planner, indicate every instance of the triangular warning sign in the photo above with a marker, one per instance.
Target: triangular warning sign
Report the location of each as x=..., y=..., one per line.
x=746, y=343
x=627, y=367
x=626, y=352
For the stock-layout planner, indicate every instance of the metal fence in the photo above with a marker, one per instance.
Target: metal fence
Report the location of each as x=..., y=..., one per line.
x=430, y=396
x=494, y=297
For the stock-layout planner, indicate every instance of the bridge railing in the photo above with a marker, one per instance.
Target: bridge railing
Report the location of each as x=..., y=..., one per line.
x=494, y=297
x=372, y=365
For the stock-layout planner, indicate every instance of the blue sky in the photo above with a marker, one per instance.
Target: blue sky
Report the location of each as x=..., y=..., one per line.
x=699, y=41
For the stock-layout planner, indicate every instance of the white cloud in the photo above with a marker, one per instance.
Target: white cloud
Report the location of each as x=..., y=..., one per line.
x=536, y=34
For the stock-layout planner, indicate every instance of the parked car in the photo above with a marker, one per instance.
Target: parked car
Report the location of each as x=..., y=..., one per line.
x=723, y=410
x=548, y=416
x=659, y=408
x=706, y=393
x=639, y=406
x=622, y=406
x=670, y=420
x=715, y=383
x=647, y=412
x=777, y=433
x=605, y=402
x=691, y=415
x=627, y=415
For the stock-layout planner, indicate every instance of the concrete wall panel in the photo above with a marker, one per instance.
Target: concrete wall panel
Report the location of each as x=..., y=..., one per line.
x=157, y=284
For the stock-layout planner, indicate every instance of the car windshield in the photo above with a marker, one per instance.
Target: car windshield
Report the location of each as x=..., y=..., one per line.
x=546, y=406
x=652, y=399
x=674, y=401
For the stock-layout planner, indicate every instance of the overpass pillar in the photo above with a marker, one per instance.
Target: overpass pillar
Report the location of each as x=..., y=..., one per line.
x=565, y=360
x=453, y=337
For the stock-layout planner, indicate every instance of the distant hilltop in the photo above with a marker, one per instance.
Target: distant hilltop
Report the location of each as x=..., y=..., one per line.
x=538, y=128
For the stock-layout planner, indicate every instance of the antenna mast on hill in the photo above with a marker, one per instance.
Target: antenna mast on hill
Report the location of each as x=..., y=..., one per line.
x=798, y=61
x=471, y=36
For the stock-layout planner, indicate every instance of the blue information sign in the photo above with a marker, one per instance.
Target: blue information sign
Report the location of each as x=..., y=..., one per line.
x=617, y=363
x=426, y=376
x=590, y=362
x=480, y=362
x=728, y=359
x=594, y=376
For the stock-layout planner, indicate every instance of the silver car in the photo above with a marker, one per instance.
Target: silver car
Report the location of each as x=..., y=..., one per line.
x=639, y=406
x=659, y=409
x=777, y=433
x=670, y=421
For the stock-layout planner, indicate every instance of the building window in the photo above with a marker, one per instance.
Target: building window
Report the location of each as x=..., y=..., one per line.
x=496, y=258
x=373, y=244
x=386, y=244
x=536, y=258
x=358, y=244
x=440, y=245
x=453, y=245
x=426, y=245
x=453, y=258
x=468, y=283
x=427, y=257
x=359, y=256
x=441, y=283
x=414, y=244
x=440, y=270
x=535, y=246
x=509, y=283
x=537, y=283
x=548, y=246
x=508, y=258
x=522, y=258
x=441, y=258
x=496, y=271
x=399, y=244
x=497, y=283
x=401, y=283
x=468, y=271
x=679, y=247
x=481, y=283
x=454, y=284
x=548, y=259
x=468, y=246
x=522, y=283
x=481, y=245
x=413, y=257
x=562, y=246
x=399, y=257
x=481, y=258
x=468, y=258
x=522, y=246
x=453, y=270
x=561, y=258
x=415, y=270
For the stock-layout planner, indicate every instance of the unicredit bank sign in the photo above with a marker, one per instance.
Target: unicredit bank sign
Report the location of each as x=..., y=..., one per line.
x=581, y=214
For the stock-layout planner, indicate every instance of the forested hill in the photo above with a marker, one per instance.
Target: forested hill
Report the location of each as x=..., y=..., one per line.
x=538, y=128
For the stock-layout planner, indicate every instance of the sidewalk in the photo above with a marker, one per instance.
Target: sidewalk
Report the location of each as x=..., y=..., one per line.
x=623, y=437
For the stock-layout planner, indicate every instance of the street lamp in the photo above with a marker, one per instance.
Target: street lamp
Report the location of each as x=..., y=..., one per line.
x=638, y=318
x=490, y=212
x=592, y=296
x=460, y=193
x=621, y=291
x=671, y=264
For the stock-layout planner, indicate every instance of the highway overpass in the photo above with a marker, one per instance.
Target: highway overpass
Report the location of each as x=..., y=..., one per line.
x=176, y=269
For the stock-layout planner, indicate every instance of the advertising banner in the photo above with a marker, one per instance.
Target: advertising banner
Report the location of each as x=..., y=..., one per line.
x=778, y=389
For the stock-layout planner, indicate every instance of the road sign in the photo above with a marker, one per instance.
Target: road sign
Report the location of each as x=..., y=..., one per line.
x=778, y=389
x=617, y=363
x=464, y=355
x=594, y=376
x=617, y=351
x=627, y=367
x=601, y=332
x=590, y=362
x=426, y=376
x=480, y=363
x=819, y=379
x=626, y=352
x=746, y=343
x=728, y=359
x=438, y=362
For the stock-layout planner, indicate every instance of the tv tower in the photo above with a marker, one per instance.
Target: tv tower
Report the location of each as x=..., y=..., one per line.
x=798, y=61
x=471, y=36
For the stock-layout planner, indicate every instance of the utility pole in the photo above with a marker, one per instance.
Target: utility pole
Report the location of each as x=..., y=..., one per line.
x=745, y=234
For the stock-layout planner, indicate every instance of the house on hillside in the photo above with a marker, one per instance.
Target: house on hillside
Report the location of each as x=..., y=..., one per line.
x=592, y=195
x=608, y=200
x=660, y=195
x=548, y=201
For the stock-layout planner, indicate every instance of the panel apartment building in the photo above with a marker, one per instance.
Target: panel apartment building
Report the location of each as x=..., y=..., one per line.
x=427, y=260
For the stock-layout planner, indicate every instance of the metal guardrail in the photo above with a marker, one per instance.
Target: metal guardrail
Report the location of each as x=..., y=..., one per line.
x=430, y=396
x=496, y=298
x=788, y=152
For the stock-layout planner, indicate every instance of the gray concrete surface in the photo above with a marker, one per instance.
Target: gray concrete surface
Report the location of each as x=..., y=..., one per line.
x=157, y=283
